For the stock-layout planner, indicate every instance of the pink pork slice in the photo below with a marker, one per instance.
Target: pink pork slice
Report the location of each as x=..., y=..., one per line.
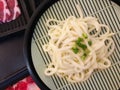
x=14, y=9
x=4, y=12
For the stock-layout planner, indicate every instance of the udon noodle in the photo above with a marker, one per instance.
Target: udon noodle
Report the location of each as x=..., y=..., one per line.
x=78, y=46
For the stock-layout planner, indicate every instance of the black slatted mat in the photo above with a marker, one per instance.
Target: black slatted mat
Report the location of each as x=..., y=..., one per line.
x=19, y=23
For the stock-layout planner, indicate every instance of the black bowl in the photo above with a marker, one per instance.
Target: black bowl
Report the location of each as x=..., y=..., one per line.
x=29, y=39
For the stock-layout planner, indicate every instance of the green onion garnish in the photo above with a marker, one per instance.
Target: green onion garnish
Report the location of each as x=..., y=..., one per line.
x=85, y=35
x=87, y=51
x=79, y=40
x=83, y=57
x=83, y=46
x=89, y=42
x=75, y=50
x=85, y=54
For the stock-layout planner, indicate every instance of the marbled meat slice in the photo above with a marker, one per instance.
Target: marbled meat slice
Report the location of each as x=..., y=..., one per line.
x=4, y=12
x=14, y=9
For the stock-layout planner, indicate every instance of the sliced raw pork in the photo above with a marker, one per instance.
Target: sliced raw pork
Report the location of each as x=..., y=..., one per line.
x=14, y=9
x=4, y=12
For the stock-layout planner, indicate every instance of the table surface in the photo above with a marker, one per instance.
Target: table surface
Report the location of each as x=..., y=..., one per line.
x=12, y=63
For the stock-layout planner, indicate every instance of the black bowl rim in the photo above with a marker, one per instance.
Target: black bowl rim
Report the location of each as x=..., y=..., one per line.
x=28, y=38
x=116, y=1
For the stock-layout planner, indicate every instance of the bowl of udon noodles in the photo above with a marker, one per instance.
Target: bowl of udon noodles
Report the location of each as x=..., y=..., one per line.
x=74, y=45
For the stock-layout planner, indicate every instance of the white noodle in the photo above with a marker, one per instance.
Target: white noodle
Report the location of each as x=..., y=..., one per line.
x=63, y=34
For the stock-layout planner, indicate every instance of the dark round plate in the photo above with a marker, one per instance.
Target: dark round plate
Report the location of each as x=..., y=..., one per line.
x=36, y=36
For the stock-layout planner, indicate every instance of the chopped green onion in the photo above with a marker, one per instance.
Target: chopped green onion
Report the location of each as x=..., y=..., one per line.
x=85, y=35
x=77, y=43
x=83, y=46
x=85, y=54
x=79, y=40
x=83, y=57
x=75, y=50
x=89, y=42
x=87, y=51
